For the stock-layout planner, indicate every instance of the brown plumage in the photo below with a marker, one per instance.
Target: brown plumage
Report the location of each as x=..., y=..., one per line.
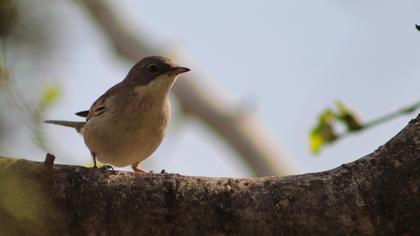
x=128, y=122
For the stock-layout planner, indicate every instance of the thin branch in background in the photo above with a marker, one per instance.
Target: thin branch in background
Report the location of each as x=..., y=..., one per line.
x=9, y=88
x=30, y=115
x=388, y=117
x=324, y=133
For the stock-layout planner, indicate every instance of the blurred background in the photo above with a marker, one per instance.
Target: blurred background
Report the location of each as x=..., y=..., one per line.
x=279, y=62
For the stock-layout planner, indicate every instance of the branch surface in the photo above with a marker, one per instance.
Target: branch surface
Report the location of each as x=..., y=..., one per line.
x=375, y=195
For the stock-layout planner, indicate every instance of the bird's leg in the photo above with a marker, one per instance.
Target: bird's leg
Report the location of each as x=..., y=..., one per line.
x=103, y=167
x=136, y=168
x=94, y=159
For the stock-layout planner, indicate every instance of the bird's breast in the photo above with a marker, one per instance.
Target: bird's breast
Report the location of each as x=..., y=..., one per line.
x=129, y=135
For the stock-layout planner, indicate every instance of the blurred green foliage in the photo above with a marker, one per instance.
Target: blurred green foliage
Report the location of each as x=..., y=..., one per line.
x=49, y=96
x=21, y=205
x=325, y=131
x=347, y=117
x=30, y=112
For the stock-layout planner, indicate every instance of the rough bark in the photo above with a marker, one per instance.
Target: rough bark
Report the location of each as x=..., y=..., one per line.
x=375, y=195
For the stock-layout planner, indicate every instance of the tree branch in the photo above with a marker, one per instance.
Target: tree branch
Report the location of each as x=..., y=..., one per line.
x=375, y=195
x=243, y=131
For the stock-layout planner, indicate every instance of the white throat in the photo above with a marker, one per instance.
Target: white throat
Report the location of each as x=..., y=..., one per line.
x=157, y=87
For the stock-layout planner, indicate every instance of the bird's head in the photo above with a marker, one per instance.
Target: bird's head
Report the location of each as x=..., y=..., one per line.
x=154, y=74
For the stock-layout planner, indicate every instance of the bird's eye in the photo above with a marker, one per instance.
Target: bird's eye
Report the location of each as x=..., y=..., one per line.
x=152, y=69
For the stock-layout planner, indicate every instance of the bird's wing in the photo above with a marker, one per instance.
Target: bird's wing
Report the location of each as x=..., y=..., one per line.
x=99, y=106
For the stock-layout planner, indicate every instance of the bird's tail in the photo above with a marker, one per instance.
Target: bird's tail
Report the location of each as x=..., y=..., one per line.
x=73, y=124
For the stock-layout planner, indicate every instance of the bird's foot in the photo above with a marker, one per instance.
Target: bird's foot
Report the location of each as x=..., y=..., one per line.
x=103, y=167
x=136, y=168
x=106, y=167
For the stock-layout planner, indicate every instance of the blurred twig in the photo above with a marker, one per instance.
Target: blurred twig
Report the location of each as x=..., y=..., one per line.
x=31, y=115
x=403, y=111
x=381, y=120
x=241, y=130
x=324, y=133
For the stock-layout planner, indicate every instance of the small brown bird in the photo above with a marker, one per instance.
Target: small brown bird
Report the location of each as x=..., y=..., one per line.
x=127, y=123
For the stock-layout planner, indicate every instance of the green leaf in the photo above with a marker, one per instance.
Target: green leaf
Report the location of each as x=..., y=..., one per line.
x=327, y=116
x=323, y=133
x=348, y=117
x=418, y=27
x=316, y=141
x=49, y=96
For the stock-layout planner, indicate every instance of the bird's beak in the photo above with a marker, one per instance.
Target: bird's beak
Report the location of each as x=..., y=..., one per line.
x=178, y=70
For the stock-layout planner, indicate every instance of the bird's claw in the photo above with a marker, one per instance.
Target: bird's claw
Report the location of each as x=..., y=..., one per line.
x=104, y=167
x=138, y=170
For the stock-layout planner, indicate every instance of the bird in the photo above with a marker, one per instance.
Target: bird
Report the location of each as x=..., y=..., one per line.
x=127, y=123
